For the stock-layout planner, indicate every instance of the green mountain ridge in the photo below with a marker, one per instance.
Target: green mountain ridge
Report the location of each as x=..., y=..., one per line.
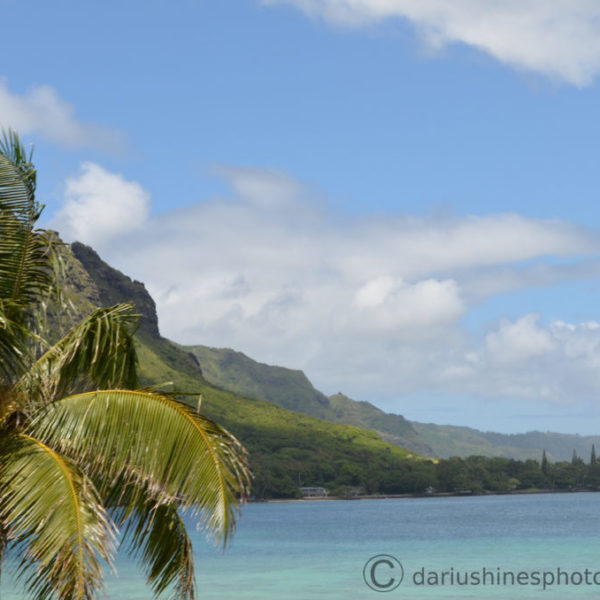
x=238, y=373
x=452, y=440
x=287, y=449
x=290, y=388
x=93, y=283
x=392, y=427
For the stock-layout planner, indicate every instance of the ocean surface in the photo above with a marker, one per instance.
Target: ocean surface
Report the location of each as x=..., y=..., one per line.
x=544, y=546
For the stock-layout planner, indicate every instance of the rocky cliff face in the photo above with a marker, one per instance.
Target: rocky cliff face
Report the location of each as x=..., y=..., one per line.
x=106, y=286
x=113, y=287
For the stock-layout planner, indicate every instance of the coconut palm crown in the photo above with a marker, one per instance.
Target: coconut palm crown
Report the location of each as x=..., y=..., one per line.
x=84, y=453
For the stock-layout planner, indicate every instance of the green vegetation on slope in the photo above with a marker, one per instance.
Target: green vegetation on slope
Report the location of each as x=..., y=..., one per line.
x=235, y=372
x=287, y=449
x=393, y=428
x=291, y=389
x=450, y=440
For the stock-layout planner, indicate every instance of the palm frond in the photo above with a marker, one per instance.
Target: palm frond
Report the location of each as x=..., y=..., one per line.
x=155, y=441
x=97, y=353
x=14, y=151
x=157, y=537
x=13, y=350
x=56, y=519
x=24, y=266
x=17, y=344
x=143, y=453
x=3, y=543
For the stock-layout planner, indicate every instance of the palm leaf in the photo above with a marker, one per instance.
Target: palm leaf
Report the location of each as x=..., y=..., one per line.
x=25, y=273
x=26, y=270
x=3, y=543
x=148, y=453
x=158, y=538
x=55, y=516
x=13, y=150
x=152, y=441
x=13, y=351
x=97, y=353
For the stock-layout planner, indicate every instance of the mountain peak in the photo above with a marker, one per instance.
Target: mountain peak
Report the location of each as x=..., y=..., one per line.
x=114, y=287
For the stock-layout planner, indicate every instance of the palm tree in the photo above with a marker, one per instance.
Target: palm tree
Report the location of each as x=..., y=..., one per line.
x=84, y=452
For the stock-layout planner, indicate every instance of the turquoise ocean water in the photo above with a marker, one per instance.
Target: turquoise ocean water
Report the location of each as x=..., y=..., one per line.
x=313, y=550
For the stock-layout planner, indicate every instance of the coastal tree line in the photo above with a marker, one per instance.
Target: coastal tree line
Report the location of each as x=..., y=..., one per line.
x=279, y=478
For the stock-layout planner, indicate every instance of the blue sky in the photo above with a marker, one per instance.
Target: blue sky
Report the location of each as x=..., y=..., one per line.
x=399, y=197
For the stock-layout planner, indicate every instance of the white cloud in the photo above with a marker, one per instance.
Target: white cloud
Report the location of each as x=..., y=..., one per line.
x=370, y=306
x=580, y=343
x=266, y=188
x=99, y=205
x=556, y=363
x=522, y=340
x=559, y=38
x=41, y=110
x=482, y=283
x=386, y=304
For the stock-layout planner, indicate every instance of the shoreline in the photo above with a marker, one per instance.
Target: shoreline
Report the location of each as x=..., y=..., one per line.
x=466, y=494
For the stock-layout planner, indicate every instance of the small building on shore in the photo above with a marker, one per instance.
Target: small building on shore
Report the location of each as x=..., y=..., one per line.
x=313, y=492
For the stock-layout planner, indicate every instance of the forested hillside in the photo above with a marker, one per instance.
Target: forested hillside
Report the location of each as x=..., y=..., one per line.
x=352, y=447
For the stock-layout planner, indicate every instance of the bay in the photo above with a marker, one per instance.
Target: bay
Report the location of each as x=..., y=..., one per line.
x=318, y=549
